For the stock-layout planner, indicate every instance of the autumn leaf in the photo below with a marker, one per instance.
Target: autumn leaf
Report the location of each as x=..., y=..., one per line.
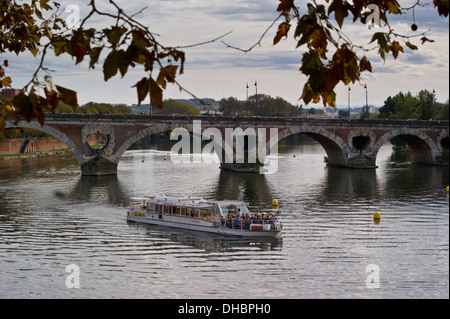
x=23, y=106
x=425, y=39
x=285, y=5
x=52, y=99
x=443, y=7
x=5, y=82
x=394, y=7
x=340, y=10
x=364, y=65
x=396, y=48
x=411, y=46
x=156, y=94
x=283, y=30
x=67, y=96
x=167, y=74
x=345, y=65
x=142, y=88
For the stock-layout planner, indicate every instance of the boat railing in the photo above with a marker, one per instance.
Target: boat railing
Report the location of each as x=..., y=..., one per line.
x=269, y=224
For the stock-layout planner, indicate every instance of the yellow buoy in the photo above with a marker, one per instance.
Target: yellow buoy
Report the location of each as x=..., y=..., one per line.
x=274, y=202
x=142, y=160
x=447, y=189
x=295, y=156
x=165, y=158
x=377, y=215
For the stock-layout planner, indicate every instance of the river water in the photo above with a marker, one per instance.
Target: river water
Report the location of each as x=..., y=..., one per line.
x=51, y=217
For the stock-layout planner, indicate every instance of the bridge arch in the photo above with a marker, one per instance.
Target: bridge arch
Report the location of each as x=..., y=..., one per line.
x=136, y=137
x=157, y=129
x=442, y=141
x=53, y=132
x=424, y=149
x=361, y=139
x=334, y=146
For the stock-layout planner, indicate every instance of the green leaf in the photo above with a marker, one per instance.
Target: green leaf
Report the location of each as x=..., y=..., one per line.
x=115, y=34
x=44, y=5
x=383, y=41
x=115, y=61
x=139, y=39
x=94, y=55
x=311, y=63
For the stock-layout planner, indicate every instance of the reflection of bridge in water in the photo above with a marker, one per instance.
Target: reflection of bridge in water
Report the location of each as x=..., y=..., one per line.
x=352, y=144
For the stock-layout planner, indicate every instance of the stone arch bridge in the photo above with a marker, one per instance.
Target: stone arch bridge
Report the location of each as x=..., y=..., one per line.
x=351, y=144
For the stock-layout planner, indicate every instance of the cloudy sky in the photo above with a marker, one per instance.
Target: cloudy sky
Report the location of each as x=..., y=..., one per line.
x=216, y=71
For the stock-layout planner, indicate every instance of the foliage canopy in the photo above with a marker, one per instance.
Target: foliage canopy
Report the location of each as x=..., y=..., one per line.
x=329, y=58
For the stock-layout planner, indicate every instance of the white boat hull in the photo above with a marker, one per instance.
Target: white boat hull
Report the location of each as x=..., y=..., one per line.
x=202, y=227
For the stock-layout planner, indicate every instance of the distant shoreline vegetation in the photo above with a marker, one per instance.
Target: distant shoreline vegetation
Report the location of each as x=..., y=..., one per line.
x=401, y=106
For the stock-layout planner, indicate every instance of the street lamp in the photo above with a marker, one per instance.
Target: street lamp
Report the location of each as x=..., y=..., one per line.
x=367, y=101
x=434, y=105
x=246, y=103
x=349, y=89
x=256, y=85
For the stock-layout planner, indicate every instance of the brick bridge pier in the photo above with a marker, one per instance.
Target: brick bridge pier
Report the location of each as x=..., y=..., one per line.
x=351, y=144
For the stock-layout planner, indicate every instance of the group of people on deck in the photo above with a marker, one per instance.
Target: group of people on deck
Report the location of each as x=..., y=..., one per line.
x=243, y=221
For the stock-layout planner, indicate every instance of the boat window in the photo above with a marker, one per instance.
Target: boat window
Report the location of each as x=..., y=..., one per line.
x=192, y=212
x=208, y=213
x=178, y=211
x=167, y=209
x=151, y=207
x=183, y=211
x=158, y=208
x=231, y=209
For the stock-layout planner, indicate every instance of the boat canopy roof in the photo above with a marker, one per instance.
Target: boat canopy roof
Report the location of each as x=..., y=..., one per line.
x=186, y=201
x=233, y=207
x=225, y=207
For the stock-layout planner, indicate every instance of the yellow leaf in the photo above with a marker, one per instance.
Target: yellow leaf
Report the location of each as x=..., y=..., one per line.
x=394, y=7
x=411, y=46
x=6, y=82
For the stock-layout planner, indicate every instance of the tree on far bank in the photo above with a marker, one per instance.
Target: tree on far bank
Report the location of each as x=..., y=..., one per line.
x=174, y=107
x=406, y=106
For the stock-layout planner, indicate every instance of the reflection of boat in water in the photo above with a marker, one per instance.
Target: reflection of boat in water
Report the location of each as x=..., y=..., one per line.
x=219, y=217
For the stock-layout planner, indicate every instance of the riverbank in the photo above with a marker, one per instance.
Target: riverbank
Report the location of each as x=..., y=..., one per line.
x=30, y=147
x=38, y=154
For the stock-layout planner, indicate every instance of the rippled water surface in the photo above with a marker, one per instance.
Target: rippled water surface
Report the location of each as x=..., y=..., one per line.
x=51, y=217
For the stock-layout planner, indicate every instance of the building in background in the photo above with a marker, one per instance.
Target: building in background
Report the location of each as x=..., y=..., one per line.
x=10, y=93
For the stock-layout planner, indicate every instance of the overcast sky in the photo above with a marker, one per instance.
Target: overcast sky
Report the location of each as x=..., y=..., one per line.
x=215, y=71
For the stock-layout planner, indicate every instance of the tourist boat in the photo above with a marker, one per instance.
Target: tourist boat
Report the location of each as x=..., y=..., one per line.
x=219, y=217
